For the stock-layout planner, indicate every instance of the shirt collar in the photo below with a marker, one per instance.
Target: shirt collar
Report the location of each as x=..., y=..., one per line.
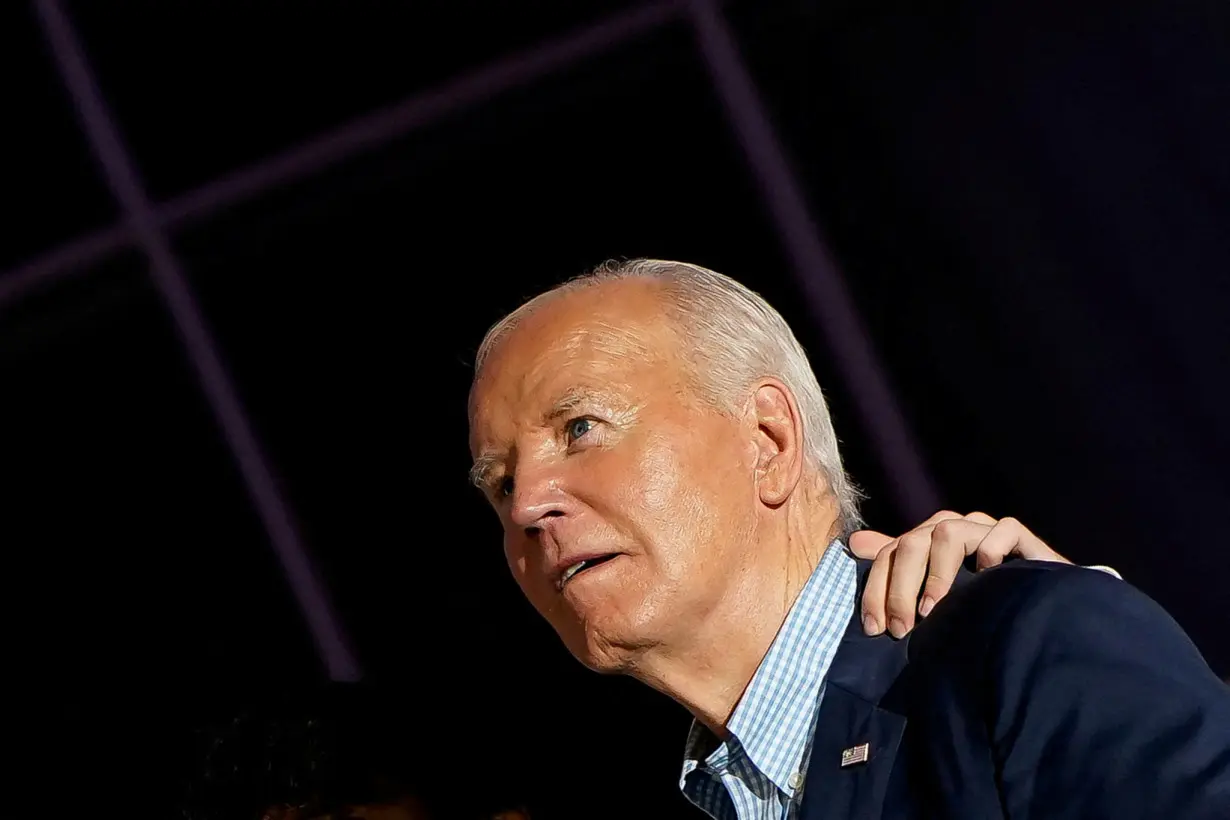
x=774, y=719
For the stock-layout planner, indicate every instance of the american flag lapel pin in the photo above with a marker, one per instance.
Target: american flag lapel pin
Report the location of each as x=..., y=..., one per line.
x=855, y=754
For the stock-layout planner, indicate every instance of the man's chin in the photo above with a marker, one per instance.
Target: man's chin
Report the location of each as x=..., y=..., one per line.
x=607, y=655
x=604, y=660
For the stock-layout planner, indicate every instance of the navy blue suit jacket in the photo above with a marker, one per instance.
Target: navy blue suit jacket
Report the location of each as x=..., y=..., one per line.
x=1034, y=691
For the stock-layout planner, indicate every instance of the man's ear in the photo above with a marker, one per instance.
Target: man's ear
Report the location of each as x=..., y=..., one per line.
x=779, y=441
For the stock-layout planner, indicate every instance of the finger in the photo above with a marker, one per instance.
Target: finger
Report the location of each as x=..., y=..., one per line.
x=942, y=515
x=875, y=593
x=972, y=537
x=1010, y=537
x=947, y=554
x=909, y=572
x=981, y=518
x=868, y=543
x=996, y=545
x=877, y=546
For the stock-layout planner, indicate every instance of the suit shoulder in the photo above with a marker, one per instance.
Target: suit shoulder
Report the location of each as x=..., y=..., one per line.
x=985, y=606
x=1011, y=585
x=1025, y=583
x=1081, y=689
x=1032, y=609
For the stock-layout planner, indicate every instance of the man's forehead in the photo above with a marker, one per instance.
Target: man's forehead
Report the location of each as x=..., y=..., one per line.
x=604, y=363
x=609, y=316
x=587, y=347
x=596, y=328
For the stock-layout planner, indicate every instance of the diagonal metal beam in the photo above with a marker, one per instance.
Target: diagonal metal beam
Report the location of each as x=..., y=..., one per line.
x=416, y=112
x=343, y=143
x=75, y=256
x=829, y=301
x=172, y=284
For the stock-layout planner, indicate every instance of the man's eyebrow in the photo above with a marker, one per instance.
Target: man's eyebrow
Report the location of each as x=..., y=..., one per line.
x=573, y=398
x=481, y=471
x=569, y=400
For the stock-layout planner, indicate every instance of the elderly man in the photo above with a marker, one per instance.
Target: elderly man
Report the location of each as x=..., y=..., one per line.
x=674, y=504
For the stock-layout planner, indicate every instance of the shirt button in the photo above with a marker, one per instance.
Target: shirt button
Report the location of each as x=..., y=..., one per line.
x=796, y=780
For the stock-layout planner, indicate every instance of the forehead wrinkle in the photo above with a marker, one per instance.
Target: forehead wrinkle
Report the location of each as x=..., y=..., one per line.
x=613, y=340
x=601, y=345
x=616, y=346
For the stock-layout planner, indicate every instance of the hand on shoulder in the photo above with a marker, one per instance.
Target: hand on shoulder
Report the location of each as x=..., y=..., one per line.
x=913, y=571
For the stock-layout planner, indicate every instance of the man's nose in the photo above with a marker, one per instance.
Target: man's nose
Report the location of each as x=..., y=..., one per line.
x=536, y=497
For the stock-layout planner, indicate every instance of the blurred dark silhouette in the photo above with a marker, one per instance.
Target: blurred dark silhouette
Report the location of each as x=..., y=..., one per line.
x=341, y=751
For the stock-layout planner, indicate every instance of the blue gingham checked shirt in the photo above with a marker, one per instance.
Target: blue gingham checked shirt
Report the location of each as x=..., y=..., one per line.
x=758, y=773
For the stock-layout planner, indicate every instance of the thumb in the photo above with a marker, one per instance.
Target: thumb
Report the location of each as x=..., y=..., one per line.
x=868, y=543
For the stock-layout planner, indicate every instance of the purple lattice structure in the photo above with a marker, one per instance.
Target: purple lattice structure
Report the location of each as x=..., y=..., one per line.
x=147, y=226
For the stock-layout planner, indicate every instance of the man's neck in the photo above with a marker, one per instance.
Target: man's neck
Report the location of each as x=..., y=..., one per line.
x=709, y=674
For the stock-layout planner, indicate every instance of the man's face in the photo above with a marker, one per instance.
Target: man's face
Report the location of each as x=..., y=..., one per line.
x=627, y=503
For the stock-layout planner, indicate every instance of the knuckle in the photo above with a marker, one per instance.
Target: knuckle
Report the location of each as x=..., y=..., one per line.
x=914, y=541
x=884, y=559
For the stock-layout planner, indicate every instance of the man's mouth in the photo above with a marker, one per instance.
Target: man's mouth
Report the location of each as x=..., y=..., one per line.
x=579, y=567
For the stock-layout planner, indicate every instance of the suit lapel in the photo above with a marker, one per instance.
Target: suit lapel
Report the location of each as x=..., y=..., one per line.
x=851, y=715
x=850, y=728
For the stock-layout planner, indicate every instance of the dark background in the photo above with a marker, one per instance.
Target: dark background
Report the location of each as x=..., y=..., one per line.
x=1029, y=202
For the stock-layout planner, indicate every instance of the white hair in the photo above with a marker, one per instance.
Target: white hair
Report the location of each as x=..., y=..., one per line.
x=740, y=338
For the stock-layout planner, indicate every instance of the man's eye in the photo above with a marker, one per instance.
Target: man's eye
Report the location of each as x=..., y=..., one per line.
x=577, y=428
x=504, y=488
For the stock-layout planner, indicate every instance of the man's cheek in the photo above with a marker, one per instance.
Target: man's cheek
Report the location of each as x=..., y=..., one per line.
x=659, y=475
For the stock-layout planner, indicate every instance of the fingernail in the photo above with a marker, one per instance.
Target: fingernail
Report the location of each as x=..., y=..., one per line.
x=925, y=608
x=897, y=627
x=870, y=625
